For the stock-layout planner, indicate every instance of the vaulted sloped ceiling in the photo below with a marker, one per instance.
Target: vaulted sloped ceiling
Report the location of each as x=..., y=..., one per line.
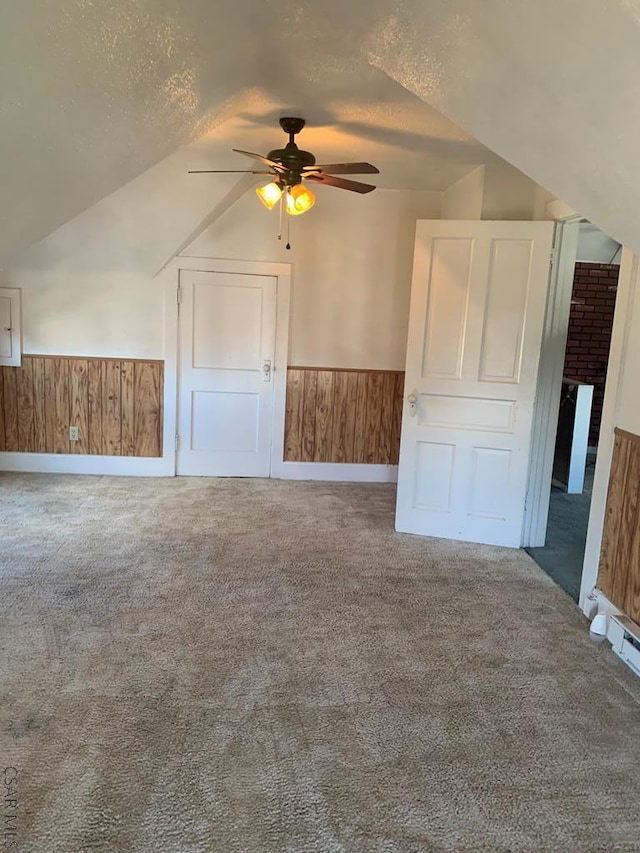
x=94, y=93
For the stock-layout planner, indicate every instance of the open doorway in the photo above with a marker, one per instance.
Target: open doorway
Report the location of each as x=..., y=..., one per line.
x=586, y=355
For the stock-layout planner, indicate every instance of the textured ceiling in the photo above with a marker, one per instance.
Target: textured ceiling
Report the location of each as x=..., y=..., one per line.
x=371, y=118
x=95, y=93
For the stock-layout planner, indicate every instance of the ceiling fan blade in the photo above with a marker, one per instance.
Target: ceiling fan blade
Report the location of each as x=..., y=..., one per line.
x=341, y=183
x=271, y=163
x=343, y=169
x=227, y=172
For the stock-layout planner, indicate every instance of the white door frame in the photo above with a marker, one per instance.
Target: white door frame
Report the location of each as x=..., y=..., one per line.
x=545, y=424
x=169, y=278
x=628, y=293
x=549, y=388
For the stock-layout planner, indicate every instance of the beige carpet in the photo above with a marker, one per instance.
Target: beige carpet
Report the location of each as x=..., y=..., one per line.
x=255, y=666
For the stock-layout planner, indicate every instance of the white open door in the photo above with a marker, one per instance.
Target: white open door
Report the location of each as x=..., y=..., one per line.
x=227, y=324
x=477, y=311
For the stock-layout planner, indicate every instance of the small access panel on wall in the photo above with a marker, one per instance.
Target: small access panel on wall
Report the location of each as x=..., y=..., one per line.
x=10, y=327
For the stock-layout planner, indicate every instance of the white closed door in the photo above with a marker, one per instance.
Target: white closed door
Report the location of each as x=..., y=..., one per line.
x=475, y=329
x=226, y=361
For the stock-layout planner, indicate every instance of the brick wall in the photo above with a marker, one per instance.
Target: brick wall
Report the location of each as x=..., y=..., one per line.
x=589, y=338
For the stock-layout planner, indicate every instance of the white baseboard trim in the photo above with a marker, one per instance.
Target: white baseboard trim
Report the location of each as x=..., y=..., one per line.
x=338, y=472
x=129, y=466
x=68, y=463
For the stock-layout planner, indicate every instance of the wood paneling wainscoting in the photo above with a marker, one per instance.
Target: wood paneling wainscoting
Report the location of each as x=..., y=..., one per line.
x=338, y=415
x=619, y=572
x=115, y=403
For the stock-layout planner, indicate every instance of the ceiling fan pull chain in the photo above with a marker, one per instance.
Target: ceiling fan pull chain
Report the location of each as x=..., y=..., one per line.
x=288, y=246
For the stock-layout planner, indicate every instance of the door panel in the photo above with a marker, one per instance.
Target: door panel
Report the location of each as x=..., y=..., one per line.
x=227, y=326
x=225, y=421
x=227, y=341
x=477, y=310
x=447, y=309
x=504, y=320
x=434, y=476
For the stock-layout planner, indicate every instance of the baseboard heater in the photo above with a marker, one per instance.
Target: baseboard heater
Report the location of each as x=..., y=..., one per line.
x=624, y=636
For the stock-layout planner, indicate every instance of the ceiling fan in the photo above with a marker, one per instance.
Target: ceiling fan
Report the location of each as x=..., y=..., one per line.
x=290, y=166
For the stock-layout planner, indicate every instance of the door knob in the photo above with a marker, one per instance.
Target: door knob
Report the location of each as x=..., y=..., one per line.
x=266, y=370
x=412, y=399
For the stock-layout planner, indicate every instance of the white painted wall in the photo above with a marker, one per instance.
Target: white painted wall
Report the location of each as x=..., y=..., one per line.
x=463, y=200
x=352, y=258
x=495, y=191
x=89, y=288
x=594, y=246
x=508, y=194
x=628, y=403
x=91, y=312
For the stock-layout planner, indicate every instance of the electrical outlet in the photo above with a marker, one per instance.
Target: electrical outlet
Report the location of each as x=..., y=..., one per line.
x=73, y=433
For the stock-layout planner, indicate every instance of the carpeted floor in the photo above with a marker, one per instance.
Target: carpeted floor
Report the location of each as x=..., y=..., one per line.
x=194, y=666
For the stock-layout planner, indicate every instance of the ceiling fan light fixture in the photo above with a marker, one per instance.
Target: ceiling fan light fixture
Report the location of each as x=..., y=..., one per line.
x=269, y=194
x=299, y=200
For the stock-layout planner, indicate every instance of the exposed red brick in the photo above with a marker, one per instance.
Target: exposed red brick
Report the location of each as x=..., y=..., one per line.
x=589, y=334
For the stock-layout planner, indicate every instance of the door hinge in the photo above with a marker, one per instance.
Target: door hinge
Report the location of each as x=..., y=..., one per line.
x=177, y=442
x=552, y=259
x=179, y=295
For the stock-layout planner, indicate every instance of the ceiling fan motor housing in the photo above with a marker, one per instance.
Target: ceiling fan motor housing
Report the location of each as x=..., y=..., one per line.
x=292, y=157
